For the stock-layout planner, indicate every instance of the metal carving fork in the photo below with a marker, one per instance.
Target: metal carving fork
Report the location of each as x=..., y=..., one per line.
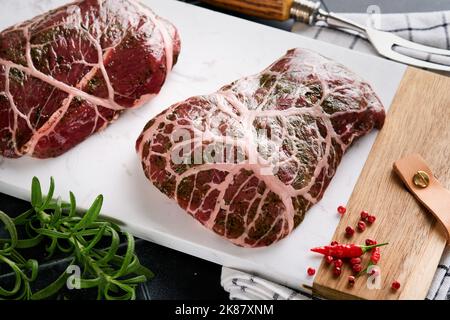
x=310, y=12
x=384, y=42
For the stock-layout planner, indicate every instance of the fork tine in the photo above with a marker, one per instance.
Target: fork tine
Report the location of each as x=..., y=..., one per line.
x=416, y=62
x=415, y=46
x=384, y=42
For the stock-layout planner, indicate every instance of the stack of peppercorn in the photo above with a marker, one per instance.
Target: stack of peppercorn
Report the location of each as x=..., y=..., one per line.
x=336, y=253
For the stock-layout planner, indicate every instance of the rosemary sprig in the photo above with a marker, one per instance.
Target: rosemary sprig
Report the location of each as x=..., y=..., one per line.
x=90, y=243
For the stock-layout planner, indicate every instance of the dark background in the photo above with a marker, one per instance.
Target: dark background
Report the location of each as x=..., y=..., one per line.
x=180, y=276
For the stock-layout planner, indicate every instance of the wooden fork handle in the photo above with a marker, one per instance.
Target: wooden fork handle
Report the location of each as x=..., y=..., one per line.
x=267, y=9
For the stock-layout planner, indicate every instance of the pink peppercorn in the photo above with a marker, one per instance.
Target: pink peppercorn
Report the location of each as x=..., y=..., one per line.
x=357, y=268
x=341, y=210
x=364, y=215
x=338, y=263
x=349, y=231
x=329, y=259
x=395, y=285
x=361, y=226
x=337, y=271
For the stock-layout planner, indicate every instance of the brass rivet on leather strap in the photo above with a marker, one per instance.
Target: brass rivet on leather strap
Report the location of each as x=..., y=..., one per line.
x=421, y=179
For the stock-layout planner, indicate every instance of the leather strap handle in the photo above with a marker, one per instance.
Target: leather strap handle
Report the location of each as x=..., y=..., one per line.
x=420, y=181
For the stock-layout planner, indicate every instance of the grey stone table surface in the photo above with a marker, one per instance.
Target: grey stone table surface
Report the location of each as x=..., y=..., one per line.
x=386, y=6
x=180, y=276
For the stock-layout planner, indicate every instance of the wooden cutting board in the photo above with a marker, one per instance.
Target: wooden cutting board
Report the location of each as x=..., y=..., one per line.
x=417, y=122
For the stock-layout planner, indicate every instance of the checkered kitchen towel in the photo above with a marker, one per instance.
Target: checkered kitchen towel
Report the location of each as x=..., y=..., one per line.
x=430, y=29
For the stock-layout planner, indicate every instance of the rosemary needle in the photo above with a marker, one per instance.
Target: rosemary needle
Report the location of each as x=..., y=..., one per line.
x=90, y=244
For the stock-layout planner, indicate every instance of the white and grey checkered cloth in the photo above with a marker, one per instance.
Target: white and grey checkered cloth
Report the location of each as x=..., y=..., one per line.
x=430, y=29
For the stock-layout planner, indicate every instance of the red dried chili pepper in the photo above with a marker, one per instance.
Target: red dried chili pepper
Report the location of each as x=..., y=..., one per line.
x=345, y=250
x=375, y=256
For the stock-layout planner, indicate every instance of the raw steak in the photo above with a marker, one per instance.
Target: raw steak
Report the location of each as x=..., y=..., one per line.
x=249, y=160
x=70, y=72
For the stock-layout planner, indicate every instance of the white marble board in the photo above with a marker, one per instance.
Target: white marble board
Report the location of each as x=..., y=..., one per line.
x=216, y=49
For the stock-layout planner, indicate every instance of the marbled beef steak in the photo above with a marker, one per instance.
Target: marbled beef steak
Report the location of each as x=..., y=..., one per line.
x=70, y=72
x=249, y=160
